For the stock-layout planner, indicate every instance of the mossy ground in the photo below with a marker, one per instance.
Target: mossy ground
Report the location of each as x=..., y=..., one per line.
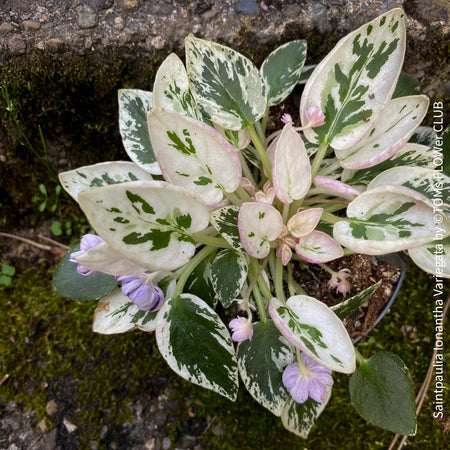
x=50, y=353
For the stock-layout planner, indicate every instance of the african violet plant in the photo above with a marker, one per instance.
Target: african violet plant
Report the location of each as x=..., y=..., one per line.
x=212, y=211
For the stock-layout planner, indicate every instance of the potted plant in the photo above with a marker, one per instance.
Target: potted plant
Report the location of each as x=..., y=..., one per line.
x=213, y=212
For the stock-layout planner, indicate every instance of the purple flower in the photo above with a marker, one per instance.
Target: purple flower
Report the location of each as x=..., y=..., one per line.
x=338, y=281
x=315, y=116
x=310, y=380
x=142, y=291
x=287, y=119
x=87, y=241
x=242, y=329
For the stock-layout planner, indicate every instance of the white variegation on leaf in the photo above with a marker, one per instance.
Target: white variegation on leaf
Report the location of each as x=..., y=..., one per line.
x=282, y=69
x=354, y=81
x=115, y=314
x=102, y=258
x=432, y=184
x=134, y=105
x=226, y=85
x=299, y=418
x=101, y=174
x=314, y=328
x=225, y=221
x=304, y=222
x=433, y=257
x=317, y=247
x=238, y=139
x=388, y=219
x=194, y=155
x=291, y=169
x=261, y=362
x=335, y=188
x=259, y=224
x=197, y=345
x=148, y=222
x=171, y=88
x=409, y=155
x=390, y=132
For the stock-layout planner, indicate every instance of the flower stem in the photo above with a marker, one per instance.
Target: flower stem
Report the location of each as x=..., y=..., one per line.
x=318, y=159
x=190, y=267
x=330, y=218
x=261, y=151
x=260, y=304
x=279, y=280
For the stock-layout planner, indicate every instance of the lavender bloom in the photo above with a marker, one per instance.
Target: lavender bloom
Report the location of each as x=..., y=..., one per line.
x=142, y=291
x=311, y=380
x=242, y=329
x=315, y=116
x=339, y=282
x=87, y=241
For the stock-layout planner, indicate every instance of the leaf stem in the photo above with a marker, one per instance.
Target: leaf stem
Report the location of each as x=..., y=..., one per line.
x=360, y=358
x=330, y=218
x=279, y=280
x=261, y=151
x=215, y=242
x=321, y=151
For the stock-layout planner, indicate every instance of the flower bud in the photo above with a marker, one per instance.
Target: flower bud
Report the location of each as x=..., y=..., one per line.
x=315, y=116
x=87, y=241
x=141, y=290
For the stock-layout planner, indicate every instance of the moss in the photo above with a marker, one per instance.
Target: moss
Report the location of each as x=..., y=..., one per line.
x=50, y=352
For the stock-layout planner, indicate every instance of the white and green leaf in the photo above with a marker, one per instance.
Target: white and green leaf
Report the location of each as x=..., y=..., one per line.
x=282, y=69
x=390, y=132
x=171, y=88
x=102, y=174
x=225, y=221
x=387, y=219
x=304, y=222
x=318, y=247
x=433, y=257
x=262, y=361
x=134, y=105
x=148, y=222
x=315, y=329
x=226, y=85
x=117, y=314
x=194, y=155
x=259, y=224
x=197, y=345
x=228, y=274
x=299, y=418
x=352, y=84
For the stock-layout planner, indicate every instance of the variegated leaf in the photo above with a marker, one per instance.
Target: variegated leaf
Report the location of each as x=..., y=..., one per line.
x=102, y=174
x=291, y=169
x=228, y=274
x=304, y=222
x=238, y=139
x=409, y=155
x=117, y=314
x=299, y=418
x=345, y=308
x=225, y=221
x=390, y=132
x=171, y=88
x=335, y=188
x=330, y=168
x=352, y=84
x=259, y=224
x=424, y=136
x=225, y=84
x=387, y=219
x=317, y=247
x=197, y=345
x=148, y=222
x=194, y=155
x=306, y=73
x=433, y=258
x=261, y=362
x=311, y=326
x=282, y=69
x=134, y=105
x=102, y=258
x=429, y=182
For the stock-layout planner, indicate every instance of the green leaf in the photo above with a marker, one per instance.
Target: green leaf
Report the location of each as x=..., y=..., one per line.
x=282, y=69
x=382, y=393
x=8, y=270
x=345, y=308
x=353, y=83
x=226, y=85
x=199, y=283
x=147, y=222
x=134, y=105
x=228, y=274
x=197, y=345
x=262, y=361
x=67, y=282
x=299, y=418
x=406, y=85
x=56, y=228
x=102, y=174
x=117, y=314
x=5, y=280
x=225, y=221
x=315, y=329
